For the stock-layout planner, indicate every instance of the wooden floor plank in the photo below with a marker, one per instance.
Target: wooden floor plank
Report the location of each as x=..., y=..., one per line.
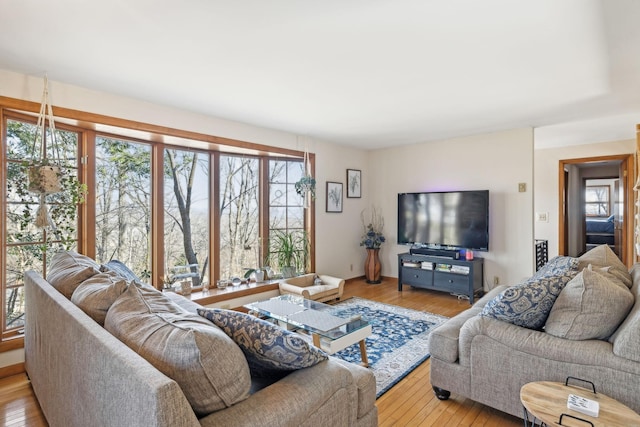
x=411, y=402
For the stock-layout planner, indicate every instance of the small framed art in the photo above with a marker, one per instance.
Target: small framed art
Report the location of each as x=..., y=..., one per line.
x=334, y=196
x=354, y=183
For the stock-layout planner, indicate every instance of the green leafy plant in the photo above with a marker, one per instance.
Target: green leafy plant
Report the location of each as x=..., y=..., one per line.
x=290, y=251
x=306, y=184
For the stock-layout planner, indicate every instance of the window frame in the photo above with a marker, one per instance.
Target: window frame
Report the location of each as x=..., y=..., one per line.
x=605, y=203
x=90, y=126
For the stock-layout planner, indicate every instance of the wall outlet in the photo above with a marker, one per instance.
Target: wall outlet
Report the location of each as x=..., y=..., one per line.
x=522, y=187
x=496, y=280
x=542, y=216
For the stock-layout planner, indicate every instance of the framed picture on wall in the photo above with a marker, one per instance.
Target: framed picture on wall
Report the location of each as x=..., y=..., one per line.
x=334, y=196
x=354, y=183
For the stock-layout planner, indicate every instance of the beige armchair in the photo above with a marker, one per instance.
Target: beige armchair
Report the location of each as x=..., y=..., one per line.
x=331, y=287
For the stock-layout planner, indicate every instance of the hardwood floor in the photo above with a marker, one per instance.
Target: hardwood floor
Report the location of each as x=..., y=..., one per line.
x=411, y=402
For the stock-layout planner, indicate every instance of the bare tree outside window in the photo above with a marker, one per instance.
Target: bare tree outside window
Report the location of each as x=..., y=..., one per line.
x=186, y=209
x=123, y=203
x=239, y=215
x=597, y=201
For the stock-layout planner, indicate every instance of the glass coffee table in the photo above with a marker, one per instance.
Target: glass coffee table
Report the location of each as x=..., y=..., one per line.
x=330, y=329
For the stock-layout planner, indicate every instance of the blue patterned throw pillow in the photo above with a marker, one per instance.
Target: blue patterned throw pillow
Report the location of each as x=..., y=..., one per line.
x=557, y=266
x=269, y=349
x=528, y=304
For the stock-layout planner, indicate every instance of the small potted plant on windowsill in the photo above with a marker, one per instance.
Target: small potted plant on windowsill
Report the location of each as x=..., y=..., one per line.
x=291, y=251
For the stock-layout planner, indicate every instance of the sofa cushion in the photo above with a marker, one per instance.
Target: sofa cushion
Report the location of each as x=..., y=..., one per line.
x=528, y=304
x=626, y=340
x=591, y=306
x=95, y=295
x=269, y=349
x=603, y=256
x=68, y=269
x=209, y=367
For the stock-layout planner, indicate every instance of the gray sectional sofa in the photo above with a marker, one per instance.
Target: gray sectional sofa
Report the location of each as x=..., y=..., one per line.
x=481, y=356
x=82, y=375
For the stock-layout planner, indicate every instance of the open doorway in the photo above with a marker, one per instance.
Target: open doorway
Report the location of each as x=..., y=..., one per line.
x=596, y=205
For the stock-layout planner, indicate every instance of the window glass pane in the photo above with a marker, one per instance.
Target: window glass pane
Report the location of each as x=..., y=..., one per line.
x=294, y=171
x=278, y=194
x=239, y=215
x=286, y=214
x=123, y=203
x=27, y=246
x=20, y=140
x=278, y=217
x=15, y=307
x=295, y=218
x=186, y=216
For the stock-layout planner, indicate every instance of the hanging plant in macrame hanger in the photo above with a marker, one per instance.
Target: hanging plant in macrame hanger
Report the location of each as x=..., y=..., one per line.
x=45, y=172
x=306, y=186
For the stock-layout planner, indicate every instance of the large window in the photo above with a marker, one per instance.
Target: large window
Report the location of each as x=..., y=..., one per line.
x=190, y=209
x=286, y=212
x=186, y=215
x=123, y=203
x=26, y=246
x=240, y=244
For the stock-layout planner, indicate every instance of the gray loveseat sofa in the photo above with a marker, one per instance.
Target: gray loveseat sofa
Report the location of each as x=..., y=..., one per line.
x=488, y=359
x=83, y=376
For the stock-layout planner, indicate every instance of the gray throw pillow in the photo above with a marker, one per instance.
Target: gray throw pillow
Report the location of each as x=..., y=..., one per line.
x=207, y=365
x=95, y=295
x=68, y=269
x=603, y=256
x=591, y=306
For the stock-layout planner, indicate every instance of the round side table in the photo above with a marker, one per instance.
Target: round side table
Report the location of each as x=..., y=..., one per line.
x=547, y=401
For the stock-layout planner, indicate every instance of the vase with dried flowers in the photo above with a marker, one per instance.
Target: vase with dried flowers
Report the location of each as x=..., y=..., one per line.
x=372, y=239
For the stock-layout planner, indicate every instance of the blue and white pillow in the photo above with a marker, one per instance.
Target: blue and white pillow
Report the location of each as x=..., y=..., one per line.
x=528, y=304
x=557, y=266
x=269, y=349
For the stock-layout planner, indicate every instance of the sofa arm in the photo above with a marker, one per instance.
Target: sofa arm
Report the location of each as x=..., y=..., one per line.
x=366, y=385
x=541, y=345
x=444, y=340
x=286, y=288
x=324, y=394
x=332, y=281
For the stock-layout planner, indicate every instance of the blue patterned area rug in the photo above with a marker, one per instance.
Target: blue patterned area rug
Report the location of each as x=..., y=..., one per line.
x=399, y=343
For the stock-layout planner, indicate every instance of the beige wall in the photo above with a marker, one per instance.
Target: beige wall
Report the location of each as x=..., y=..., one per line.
x=496, y=162
x=546, y=170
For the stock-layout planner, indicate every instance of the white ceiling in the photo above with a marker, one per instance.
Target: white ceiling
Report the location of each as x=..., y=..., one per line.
x=370, y=74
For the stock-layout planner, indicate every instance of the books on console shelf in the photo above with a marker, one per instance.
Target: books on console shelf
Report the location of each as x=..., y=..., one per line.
x=410, y=264
x=426, y=265
x=460, y=269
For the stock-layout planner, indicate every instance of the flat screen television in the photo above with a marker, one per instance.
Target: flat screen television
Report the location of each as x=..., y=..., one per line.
x=450, y=219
